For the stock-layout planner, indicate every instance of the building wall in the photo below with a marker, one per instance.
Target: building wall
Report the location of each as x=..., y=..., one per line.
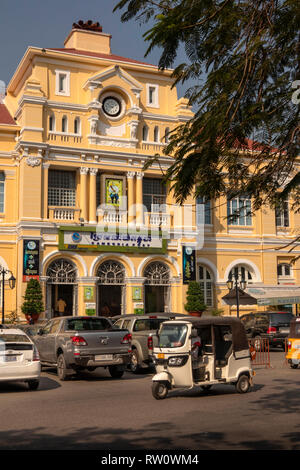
x=30, y=149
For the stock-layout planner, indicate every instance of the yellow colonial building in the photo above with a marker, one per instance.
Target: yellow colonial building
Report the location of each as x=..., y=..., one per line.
x=79, y=212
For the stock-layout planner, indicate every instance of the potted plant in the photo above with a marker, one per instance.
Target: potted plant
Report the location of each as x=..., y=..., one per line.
x=195, y=299
x=33, y=301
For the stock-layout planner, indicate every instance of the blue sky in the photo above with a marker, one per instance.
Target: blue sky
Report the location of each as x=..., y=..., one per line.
x=41, y=23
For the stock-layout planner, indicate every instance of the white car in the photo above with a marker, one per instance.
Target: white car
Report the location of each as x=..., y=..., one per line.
x=19, y=358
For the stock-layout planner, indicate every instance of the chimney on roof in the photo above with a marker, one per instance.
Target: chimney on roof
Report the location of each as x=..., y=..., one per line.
x=88, y=36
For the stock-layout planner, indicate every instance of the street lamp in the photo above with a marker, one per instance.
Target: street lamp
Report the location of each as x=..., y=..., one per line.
x=11, y=283
x=237, y=284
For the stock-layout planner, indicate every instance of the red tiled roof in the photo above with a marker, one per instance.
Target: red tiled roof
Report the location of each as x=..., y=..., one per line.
x=5, y=117
x=100, y=55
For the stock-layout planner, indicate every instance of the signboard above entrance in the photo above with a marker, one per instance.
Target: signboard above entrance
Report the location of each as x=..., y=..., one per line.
x=91, y=239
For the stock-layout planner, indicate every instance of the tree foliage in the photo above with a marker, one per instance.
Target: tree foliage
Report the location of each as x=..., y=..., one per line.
x=33, y=299
x=244, y=56
x=194, y=298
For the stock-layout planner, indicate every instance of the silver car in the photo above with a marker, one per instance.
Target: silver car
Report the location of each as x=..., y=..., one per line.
x=19, y=358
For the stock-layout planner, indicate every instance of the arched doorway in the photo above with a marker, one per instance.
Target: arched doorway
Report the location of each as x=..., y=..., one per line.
x=157, y=287
x=61, y=288
x=111, y=288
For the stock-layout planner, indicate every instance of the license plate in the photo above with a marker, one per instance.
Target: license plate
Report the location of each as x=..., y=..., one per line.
x=104, y=357
x=284, y=330
x=160, y=356
x=9, y=358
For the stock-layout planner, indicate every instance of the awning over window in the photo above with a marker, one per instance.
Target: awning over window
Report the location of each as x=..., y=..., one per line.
x=264, y=296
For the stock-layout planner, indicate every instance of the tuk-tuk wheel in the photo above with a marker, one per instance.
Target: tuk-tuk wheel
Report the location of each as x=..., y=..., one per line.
x=243, y=384
x=159, y=390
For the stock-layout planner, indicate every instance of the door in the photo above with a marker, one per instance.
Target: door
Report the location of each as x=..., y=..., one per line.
x=110, y=300
x=62, y=299
x=155, y=299
x=46, y=342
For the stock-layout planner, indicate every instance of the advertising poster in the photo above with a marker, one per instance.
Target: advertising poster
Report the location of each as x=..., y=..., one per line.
x=88, y=293
x=188, y=264
x=113, y=192
x=31, y=259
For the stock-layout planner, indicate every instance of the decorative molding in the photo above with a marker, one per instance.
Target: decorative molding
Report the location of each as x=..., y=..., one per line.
x=33, y=161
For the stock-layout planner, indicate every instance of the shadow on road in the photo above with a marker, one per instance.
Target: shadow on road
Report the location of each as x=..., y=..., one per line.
x=21, y=387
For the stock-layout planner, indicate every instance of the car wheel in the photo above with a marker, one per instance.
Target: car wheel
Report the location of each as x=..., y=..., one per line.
x=62, y=370
x=116, y=372
x=294, y=366
x=243, y=384
x=159, y=390
x=33, y=384
x=134, y=365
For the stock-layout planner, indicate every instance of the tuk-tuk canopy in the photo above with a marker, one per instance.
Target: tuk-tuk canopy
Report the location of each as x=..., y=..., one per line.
x=239, y=337
x=295, y=328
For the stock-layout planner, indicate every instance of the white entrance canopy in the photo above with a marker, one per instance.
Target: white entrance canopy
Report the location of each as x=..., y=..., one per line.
x=275, y=295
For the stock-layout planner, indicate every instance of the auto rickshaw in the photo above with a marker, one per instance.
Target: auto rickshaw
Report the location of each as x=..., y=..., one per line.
x=201, y=352
x=293, y=343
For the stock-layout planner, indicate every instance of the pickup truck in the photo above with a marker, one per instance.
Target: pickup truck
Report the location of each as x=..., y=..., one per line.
x=77, y=343
x=142, y=329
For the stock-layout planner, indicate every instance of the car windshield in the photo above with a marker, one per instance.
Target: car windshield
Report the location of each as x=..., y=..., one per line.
x=147, y=324
x=172, y=336
x=280, y=318
x=88, y=324
x=13, y=338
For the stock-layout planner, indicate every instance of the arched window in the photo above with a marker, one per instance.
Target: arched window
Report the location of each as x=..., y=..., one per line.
x=111, y=272
x=64, y=124
x=145, y=133
x=77, y=126
x=156, y=134
x=61, y=271
x=242, y=273
x=157, y=274
x=284, y=270
x=207, y=285
x=51, y=123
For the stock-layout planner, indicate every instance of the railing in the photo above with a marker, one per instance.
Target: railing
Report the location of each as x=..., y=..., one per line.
x=152, y=146
x=64, y=137
x=260, y=352
x=67, y=214
x=157, y=219
x=112, y=217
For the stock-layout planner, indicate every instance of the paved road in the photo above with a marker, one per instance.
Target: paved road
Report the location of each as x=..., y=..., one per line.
x=97, y=412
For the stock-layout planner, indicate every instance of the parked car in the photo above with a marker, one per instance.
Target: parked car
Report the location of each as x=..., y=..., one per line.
x=76, y=343
x=32, y=330
x=19, y=358
x=142, y=328
x=274, y=326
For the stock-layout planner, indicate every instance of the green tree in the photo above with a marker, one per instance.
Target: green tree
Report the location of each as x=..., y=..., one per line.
x=33, y=299
x=194, y=298
x=245, y=58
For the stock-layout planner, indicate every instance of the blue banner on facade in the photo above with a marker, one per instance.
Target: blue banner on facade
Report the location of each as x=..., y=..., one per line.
x=188, y=264
x=31, y=259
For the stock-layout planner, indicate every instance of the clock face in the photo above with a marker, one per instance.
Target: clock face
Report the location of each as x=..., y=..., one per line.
x=111, y=106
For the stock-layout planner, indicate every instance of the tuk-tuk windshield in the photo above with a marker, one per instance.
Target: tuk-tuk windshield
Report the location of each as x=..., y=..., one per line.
x=172, y=336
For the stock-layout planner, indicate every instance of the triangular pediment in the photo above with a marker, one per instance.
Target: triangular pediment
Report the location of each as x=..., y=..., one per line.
x=115, y=71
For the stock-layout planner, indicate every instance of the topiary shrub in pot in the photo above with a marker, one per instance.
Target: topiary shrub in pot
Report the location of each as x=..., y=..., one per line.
x=33, y=304
x=195, y=299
